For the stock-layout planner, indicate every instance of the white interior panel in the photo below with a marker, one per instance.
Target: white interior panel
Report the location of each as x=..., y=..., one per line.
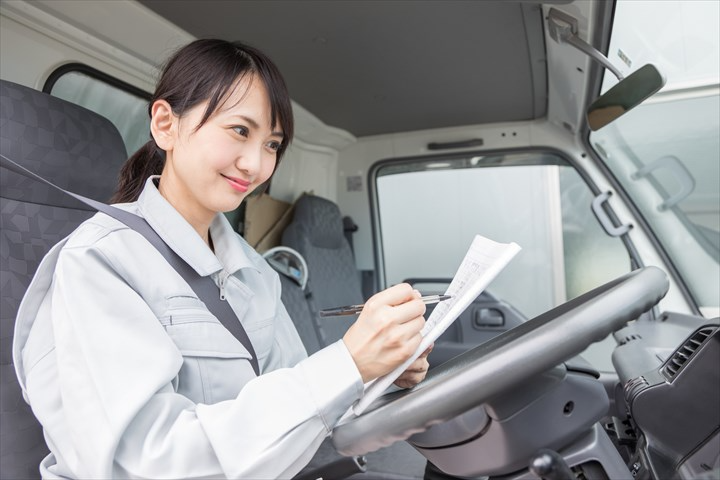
x=306, y=168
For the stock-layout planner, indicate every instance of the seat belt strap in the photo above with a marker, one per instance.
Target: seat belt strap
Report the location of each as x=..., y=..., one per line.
x=204, y=287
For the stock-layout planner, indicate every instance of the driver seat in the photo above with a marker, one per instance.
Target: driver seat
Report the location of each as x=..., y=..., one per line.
x=80, y=151
x=83, y=152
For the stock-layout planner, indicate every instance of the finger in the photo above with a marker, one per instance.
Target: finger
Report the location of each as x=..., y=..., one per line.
x=405, y=383
x=427, y=350
x=410, y=379
x=416, y=370
x=395, y=295
x=419, y=365
x=409, y=331
x=408, y=310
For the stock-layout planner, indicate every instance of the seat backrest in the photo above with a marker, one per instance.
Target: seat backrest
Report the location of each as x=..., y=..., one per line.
x=77, y=150
x=316, y=231
x=295, y=300
x=293, y=272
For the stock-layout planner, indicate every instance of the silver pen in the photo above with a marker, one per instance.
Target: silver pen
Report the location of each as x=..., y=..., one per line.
x=355, y=309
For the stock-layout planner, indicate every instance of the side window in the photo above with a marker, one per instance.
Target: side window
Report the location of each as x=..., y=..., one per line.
x=124, y=105
x=665, y=153
x=428, y=210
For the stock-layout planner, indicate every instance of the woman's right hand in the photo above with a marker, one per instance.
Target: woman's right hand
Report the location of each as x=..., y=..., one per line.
x=387, y=332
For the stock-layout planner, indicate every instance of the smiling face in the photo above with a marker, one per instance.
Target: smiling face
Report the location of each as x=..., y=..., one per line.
x=213, y=168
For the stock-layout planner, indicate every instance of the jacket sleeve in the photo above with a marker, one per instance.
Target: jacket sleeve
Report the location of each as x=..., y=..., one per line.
x=116, y=368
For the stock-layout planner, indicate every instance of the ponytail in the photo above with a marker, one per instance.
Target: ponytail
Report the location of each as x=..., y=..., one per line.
x=148, y=160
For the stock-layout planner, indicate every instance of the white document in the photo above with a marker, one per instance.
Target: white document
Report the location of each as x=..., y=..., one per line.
x=483, y=261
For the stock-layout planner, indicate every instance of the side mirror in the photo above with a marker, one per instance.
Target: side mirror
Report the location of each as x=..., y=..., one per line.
x=627, y=94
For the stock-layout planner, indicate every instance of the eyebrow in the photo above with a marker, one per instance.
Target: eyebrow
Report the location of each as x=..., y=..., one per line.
x=256, y=126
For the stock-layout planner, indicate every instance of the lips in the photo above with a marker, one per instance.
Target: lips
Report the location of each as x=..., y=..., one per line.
x=237, y=184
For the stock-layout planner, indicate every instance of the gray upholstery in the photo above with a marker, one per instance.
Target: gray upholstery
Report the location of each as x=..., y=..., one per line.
x=295, y=301
x=400, y=461
x=316, y=231
x=78, y=150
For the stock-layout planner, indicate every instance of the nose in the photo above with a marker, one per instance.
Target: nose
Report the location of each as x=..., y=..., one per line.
x=250, y=160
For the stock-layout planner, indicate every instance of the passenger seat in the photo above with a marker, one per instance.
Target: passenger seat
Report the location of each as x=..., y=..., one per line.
x=316, y=231
x=293, y=273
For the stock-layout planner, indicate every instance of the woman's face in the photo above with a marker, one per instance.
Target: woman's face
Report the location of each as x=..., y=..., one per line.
x=212, y=169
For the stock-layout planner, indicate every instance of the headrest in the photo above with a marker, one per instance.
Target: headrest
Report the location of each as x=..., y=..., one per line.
x=73, y=147
x=288, y=262
x=320, y=220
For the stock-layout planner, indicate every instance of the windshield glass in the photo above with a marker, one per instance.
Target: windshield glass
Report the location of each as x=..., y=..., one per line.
x=666, y=152
x=534, y=198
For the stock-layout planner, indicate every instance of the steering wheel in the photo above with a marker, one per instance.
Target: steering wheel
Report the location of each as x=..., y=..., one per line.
x=502, y=363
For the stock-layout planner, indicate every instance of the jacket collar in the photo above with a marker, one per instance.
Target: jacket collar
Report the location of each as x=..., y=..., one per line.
x=230, y=251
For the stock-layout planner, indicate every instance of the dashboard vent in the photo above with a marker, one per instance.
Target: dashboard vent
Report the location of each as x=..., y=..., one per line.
x=683, y=354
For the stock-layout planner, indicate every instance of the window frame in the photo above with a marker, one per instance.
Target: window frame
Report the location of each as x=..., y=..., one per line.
x=76, y=67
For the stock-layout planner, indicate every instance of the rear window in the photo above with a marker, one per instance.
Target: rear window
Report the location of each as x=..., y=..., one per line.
x=124, y=105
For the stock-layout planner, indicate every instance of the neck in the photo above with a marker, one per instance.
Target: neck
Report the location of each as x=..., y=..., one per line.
x=199, y=220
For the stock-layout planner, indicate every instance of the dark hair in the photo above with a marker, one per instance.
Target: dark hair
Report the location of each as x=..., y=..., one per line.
x=205, y=70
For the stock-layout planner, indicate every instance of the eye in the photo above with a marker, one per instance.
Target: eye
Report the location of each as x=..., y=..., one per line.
x=240, y=130
x=274, y=145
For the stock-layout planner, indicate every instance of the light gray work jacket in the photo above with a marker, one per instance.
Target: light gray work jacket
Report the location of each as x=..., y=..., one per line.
x=132, y=377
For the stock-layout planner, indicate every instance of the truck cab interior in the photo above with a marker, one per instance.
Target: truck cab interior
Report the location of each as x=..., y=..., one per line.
x=586, y=131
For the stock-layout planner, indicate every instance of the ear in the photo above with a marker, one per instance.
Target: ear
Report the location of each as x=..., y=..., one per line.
x=163, y=125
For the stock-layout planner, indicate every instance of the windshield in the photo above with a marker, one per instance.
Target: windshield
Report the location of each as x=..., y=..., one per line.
x=534, y=198
x=666, y=152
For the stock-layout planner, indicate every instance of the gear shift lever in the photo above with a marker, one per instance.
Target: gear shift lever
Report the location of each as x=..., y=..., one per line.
x=549, y=465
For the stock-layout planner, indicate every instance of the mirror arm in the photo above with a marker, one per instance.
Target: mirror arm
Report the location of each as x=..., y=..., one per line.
x=576, y=42
x=563, y=29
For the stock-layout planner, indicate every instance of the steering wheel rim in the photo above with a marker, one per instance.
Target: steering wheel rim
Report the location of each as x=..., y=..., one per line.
x=496, y=366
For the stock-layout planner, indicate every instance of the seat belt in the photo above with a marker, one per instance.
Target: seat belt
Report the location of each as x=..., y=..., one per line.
x=204, y=287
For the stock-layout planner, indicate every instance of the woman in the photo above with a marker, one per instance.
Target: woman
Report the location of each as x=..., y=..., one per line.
x=128, y=372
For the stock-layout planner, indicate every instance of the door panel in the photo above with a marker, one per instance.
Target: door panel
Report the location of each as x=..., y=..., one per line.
x=486, y=317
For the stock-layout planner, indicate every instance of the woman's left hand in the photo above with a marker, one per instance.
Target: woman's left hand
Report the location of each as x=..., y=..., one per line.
x=416, y=372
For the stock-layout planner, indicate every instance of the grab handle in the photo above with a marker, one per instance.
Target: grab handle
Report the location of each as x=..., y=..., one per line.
x=678, y=171
x=603, y=218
